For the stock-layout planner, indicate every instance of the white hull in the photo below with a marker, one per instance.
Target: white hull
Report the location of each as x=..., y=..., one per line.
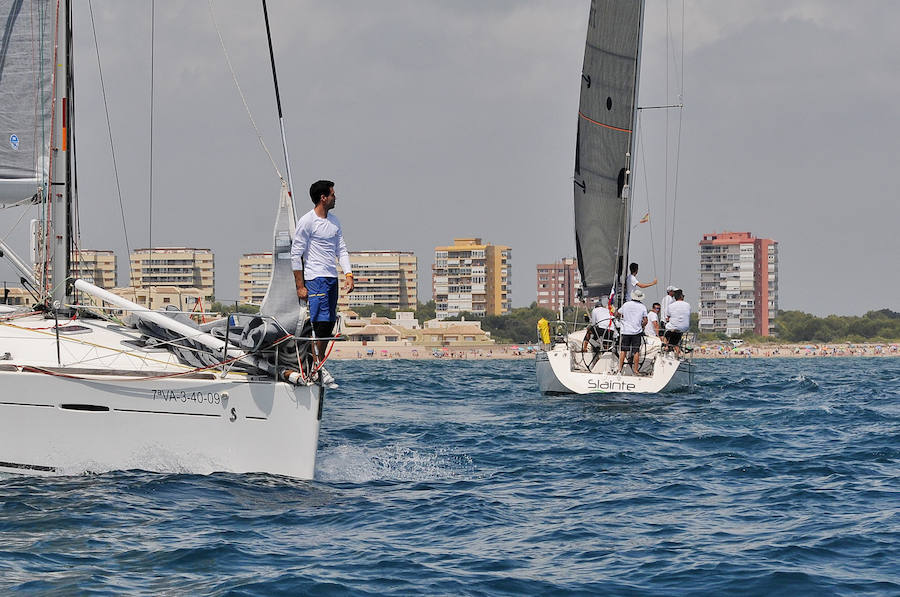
x=559, y=371
x=99, y=409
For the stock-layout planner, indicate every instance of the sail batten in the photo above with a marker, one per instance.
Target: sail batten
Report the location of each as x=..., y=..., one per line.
x=605, y=124
x=26, y=75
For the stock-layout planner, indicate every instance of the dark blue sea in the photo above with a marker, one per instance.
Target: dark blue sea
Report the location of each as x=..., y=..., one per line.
x=775, y=477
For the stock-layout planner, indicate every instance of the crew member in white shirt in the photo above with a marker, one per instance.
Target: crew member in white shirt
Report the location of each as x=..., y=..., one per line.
x=318, y=243
x=631, y=282
x=634, y=318
x=679, y=321
x=652, y=342
x=664, y=308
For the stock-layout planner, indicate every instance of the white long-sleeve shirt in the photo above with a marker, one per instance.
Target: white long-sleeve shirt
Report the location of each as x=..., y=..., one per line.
x=318, y=243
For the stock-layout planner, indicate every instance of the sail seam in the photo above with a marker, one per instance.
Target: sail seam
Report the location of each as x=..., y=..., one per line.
x=607, y=126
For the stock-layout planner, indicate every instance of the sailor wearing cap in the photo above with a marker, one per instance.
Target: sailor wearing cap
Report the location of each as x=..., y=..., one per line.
x=664, y=310
x=634, y=318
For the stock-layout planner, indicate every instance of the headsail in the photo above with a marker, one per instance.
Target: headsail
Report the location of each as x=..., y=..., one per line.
x=605, y=124
x=26, y=80
x=281, y=300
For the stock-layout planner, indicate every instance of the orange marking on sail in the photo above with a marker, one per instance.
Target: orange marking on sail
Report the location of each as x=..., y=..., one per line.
x=615, y=128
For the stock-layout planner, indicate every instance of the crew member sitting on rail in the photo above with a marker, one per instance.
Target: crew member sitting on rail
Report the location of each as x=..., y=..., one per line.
x=602, y=332
x=679, y=321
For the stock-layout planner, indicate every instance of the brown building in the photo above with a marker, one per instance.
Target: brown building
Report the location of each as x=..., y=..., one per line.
x=558, y=283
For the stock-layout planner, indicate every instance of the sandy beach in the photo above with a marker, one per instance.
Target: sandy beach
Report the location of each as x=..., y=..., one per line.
x=384, y=351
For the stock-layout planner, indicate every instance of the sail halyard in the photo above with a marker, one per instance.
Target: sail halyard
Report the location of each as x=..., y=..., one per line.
x=606, y=121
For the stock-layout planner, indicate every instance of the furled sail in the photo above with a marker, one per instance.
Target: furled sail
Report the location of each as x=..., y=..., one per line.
x=605, y=125
x=281, y=301
x=26, y=79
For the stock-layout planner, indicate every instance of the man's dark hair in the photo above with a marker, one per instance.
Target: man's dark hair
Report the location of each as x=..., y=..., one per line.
x=633, y=268
x=656, y=305
x=678, y=295
x=319, y=188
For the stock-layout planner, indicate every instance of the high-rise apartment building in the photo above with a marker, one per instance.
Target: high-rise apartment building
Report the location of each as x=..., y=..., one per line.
x=254, y=273
x=387, y=278
x=558, y=283
x=96, y=267
x=738, y=283
x=471, y=276
x=181, y=267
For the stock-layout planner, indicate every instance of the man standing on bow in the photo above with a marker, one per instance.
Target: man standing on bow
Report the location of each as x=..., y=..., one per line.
x=318, y=244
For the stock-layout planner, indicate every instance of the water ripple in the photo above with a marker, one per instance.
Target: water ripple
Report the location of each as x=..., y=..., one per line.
x=775, y=477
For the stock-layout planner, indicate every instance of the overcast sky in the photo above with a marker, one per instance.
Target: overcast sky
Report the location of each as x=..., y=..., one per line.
x=447, y=119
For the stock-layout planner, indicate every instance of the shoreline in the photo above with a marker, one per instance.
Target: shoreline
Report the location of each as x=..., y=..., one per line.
x=386, y=351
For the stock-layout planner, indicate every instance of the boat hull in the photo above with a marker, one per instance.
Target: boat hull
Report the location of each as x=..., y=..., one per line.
x=69, y=424
x=556, y=375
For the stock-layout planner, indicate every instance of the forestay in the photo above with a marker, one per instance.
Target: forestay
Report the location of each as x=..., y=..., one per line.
x=605, y=125
x=26, y=85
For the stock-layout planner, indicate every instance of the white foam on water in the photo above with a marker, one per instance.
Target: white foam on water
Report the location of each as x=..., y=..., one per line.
x=359, y=464
x=156, y=459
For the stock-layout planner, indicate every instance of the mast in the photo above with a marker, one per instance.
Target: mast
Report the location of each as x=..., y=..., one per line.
x=60, y=195
x=287, y=159
x=626, y=190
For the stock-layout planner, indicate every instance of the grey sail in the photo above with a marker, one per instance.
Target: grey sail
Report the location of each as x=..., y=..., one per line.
x=604, y=139
x=26, y=84
x=281, y=302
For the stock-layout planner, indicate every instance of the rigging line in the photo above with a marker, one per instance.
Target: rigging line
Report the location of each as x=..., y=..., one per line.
x=680, y=74
x=112, y=146
x=287, y=159
x=675, y=188
x=150, y=203
x=241, y=93
x=666, y=151
x=640, y=145
x=14, y=226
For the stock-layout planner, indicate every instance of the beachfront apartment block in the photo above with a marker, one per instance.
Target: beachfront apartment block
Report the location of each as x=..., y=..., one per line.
x=254, y=273
x=558, y=283
x=386, y=278
x=96, y=267
x=165, y=296
x=99, y=267
x=471, y=276
x=738, y=283
x=180, y=267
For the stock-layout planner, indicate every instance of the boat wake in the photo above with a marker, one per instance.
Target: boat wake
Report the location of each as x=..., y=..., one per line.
x=348, y=463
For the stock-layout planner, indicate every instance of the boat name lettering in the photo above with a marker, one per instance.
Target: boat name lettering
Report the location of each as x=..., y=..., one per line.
x=610, y=385
x=187, y=396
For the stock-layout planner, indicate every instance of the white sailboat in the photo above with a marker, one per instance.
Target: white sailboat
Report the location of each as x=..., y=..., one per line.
x=606, y=121
x=81, y=390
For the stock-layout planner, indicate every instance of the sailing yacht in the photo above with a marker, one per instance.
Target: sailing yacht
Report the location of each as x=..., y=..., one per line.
x=606, y=121
x=90, y=381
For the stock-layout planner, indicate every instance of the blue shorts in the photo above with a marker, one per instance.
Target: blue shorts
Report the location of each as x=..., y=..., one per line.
x=323, y=298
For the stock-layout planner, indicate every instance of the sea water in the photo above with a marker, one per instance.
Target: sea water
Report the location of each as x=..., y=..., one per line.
x=777, y=476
